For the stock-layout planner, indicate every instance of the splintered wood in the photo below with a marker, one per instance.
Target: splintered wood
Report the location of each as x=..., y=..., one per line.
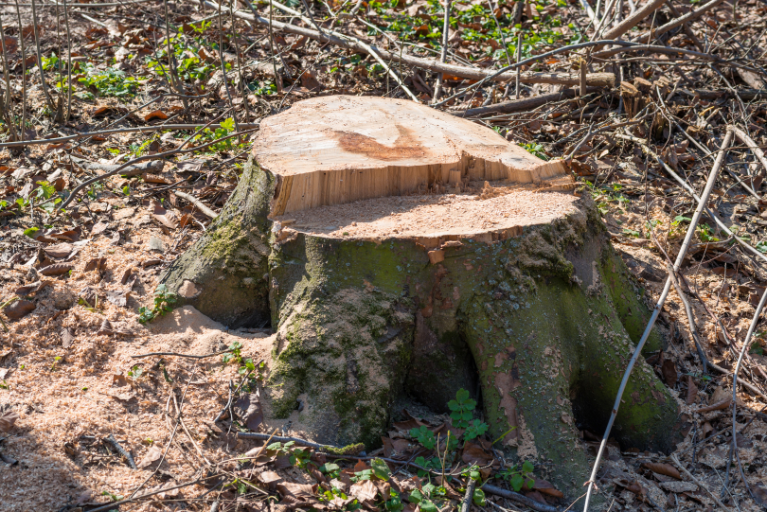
x=340, y=149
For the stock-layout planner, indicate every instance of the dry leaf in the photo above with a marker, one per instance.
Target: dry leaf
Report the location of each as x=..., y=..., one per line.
x=19, y=309
x=7, y=419
x=58, y=251
x=99, y=264
x=474, y=454
x=157, y=114
x=248, y=407
x=693, y=391
x=154, y=178
x=365, y=492
x=669, y=372
x=117, y=297
x=547, y=488
x=56, y=269
x=31, y=289
x=163, y=216
x=297, y=490
x=67, y=337
x=663, y=469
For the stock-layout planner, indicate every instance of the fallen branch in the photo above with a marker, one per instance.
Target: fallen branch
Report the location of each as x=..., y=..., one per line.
x=519, y=498
x=659, y=304
x=648, y=36
x=116, y=504
x=466, y=503
x=593, y=79
x=197, y=203
x=746, y=139
x=133, y=170
x=634, y=20
x=750, y=331
x=122, y=451
x=188, y=356
x=523, y=105
x=332, y=450
x=109, y=132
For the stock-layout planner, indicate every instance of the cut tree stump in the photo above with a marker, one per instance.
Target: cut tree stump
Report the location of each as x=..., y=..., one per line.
x=397, y=249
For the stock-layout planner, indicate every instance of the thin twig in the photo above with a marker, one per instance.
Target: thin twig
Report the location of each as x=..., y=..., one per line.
x=696, y=481
x=188, y=356
x=657, y=309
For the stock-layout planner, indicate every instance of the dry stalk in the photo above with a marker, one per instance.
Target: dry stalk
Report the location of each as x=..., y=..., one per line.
x=659, y=304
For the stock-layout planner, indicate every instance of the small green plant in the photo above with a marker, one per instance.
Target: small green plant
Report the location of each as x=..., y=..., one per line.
x=631, y=232
x=110, y=82
x=421, y=497
x=761, y=246
x=4, y=385
x=461, y=409
x=705, y=233
x=424, y=436
x=55, y=361
x=298, y=457
x=225, y=128
x=433, y=463
x=135, y=372
x=330, y=469
x=162, y=304
x=518, y=478
x=679, y=219
x=536, y=150
x=112, y=496
x=475, y=429
x=234, y=354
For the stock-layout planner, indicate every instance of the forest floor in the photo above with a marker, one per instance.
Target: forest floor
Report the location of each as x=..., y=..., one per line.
x=73, y=396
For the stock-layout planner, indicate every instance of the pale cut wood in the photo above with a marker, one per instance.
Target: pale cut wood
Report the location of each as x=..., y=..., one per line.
x=339, y=149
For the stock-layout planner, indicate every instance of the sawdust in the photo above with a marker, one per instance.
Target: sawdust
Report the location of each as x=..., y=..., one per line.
x=67, y=406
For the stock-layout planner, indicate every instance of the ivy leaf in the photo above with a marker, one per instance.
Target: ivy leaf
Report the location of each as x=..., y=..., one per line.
x=517, y=482
x=479, y=498
x=527, y=467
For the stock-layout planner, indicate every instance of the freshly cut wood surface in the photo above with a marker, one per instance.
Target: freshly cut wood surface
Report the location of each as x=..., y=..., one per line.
x=340, y=149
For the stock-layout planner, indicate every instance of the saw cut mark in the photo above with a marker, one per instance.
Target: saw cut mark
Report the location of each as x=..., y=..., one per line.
x=406, y=145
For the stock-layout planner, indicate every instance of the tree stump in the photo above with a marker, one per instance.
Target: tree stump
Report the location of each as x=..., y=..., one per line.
x=398, y=249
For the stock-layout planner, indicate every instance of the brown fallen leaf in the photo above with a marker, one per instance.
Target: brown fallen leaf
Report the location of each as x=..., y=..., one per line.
x=67, y=337
x=117, y=297
x=7, y=419
x=268, y=477
x=19, y=309
x=31, y=289
x=151, y=459
x=154, y=178
x=663, y=469
x=163, y=216
x=693, y=391
x=150, y=262
x=59, y=251
x=669, y=372
x=99, y=264
x=56, y=269
x=248, y=407
x=365, y=492
x=157, y=114
x=546, y=487
x=474, y=454
x=297, y=490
